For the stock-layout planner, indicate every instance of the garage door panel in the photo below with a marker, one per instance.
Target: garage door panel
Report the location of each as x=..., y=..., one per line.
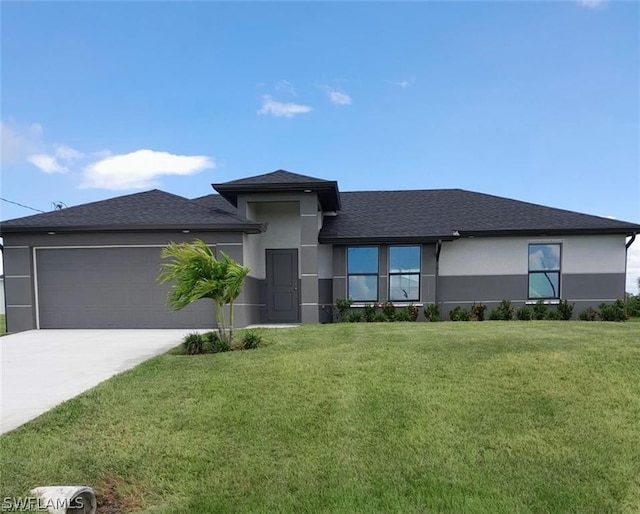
x=109, y=288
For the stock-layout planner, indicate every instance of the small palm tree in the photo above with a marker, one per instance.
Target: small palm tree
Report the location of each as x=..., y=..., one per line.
x=198, y=274
x=233, y=283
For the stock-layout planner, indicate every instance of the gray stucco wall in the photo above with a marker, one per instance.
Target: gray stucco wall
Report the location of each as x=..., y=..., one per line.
x=103, y=280
x=496, y=259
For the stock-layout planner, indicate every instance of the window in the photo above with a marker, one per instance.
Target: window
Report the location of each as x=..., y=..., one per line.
x=544, y=271
x=404, y=273
x=362, y=273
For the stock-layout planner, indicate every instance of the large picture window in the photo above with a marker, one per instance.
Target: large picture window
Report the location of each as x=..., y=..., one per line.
x=544, y=271
x=404, y=273
x=362, y=273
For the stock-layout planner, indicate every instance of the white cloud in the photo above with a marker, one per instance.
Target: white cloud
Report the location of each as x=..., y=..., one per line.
x=633, y=268
x=339, y=98
x=279, y=109
x=17, y=141
x=401, y=83
x=35, y=130
x=591, y=4
x=140, y=169
x=47, y=163
x=285, y=85
x=59, y=162
x=67, y=153
x=336, y=97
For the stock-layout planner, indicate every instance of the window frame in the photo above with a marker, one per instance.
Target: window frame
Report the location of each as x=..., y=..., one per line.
x=376, y=274
x=557, y=272
x=418, y=273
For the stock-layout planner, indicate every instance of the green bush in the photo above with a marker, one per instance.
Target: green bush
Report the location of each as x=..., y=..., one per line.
x=193, y=343
x=524, y=313
x=477, y=311
x=379, y=318
x=613, y=312
x=589, y=314
x=504, y=311
x=540, y=310
x=413, y=312
x=633, y=305
x=431, y=312
x=250, y=341
x=459, y=314
x=565, y=310
x=355, y=317
x=389, y=311
x=402, y=315
x=369, y=313
x=553, y=315
x=341, y=308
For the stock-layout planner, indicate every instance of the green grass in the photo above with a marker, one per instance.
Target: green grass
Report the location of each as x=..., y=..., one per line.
x=511, y=417
x=3, y=325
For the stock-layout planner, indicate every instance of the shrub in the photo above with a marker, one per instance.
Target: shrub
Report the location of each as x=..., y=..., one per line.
x=369, y=313
x=613, y=312
x=524, y=313
x=193, y=343
x=633, y=305
x=355, y=317
x=477, y=311
x=389, y=311
x=413, y=312
x=565, y=310
x=431, y=312
x=251, y=341
x=403, y=315
x=553, y=315
x=539, y=310
x=459, y=314
x=588, y=314
x=214, y=344
x=341, y=308
x=379, y=318
x=504, y=311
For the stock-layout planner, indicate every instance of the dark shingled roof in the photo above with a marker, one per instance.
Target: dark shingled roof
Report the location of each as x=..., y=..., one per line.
x=366, y=216
x=282, y=181
x=155, y=209
x=276, y=177
x=435, y=214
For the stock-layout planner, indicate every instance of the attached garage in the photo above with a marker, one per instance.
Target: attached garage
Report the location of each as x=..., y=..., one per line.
x=108, y=287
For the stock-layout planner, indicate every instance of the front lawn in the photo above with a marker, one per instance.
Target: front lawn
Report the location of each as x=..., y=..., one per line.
x=397, y=417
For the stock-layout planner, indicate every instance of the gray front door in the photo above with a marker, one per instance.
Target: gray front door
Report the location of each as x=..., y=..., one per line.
x=283, y=299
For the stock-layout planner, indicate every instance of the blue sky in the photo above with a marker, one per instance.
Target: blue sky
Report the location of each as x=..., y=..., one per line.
x=536, y=101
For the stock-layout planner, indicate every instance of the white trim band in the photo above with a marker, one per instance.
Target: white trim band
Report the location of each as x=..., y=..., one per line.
x=17, y=276
x=18, y=306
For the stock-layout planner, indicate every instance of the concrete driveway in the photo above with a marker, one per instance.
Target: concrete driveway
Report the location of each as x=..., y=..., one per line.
x=43, y=368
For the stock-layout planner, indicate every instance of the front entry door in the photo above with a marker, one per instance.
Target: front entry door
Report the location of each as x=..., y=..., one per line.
x=283, y=297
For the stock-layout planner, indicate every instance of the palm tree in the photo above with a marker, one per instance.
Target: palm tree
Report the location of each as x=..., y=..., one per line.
x=233, y=283
x=198, y=274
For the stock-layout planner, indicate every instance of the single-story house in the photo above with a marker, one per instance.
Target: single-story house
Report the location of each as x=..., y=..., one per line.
x=307, y=244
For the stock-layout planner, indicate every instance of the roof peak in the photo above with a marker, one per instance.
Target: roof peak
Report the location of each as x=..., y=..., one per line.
x=279, y=176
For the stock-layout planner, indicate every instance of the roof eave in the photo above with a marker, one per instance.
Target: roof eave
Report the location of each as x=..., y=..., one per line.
x=248, y=228
x=627, y=231
x=332, y=239
x=383, y=239
x=230, y=191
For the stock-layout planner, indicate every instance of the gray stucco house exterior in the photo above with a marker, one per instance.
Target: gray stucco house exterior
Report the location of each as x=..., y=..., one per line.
x=307, y=244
